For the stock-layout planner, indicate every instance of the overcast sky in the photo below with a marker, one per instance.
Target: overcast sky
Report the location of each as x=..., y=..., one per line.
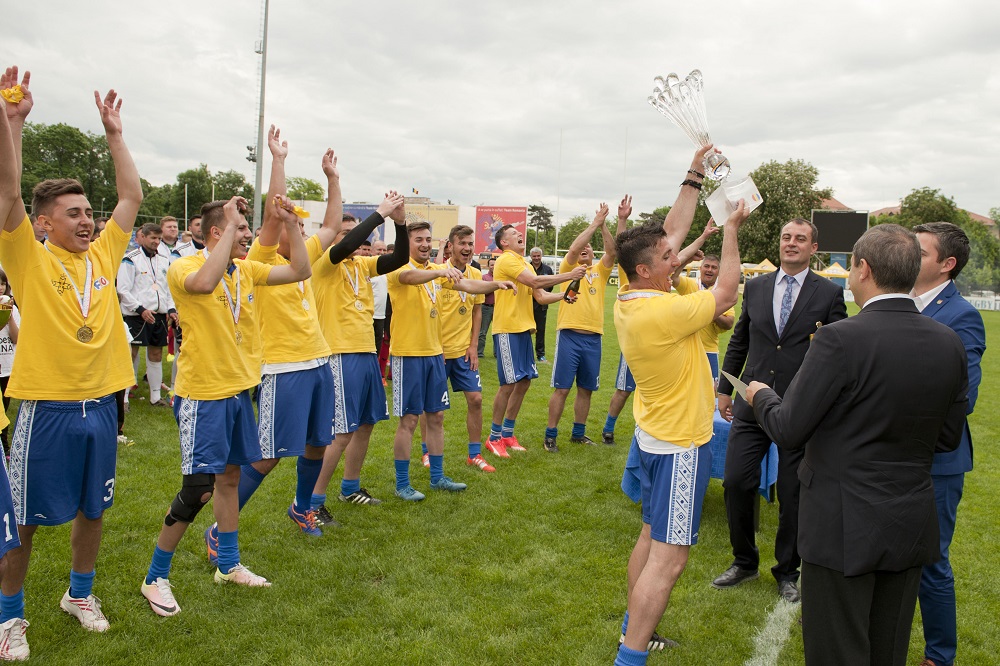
x=518, y=103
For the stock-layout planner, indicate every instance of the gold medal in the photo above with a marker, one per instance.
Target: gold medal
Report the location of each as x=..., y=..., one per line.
x=305, y=304
x=463, y=310
x=239, y=338
x=85, y=333
x=358, y=305
x=593, y=290
x=434, y=312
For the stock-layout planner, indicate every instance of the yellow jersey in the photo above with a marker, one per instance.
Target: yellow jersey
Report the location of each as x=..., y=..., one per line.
x=513, y=313
x=456, y=315
x=217, y=360
x=709, y=334
x=587, y=313
x=345, y=304
x=415, y=329
x=289, y=327
x=4, y=421
x=62, y=355
x=658, y=335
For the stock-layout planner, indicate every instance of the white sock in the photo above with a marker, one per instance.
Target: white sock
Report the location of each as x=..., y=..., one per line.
x=154, y=373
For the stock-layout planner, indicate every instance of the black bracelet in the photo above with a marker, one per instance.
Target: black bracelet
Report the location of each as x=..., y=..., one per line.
x=693, y=183
x=696, y=173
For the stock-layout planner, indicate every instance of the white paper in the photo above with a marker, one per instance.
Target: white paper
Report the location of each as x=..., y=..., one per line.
x=740, y=387
x=723, y=201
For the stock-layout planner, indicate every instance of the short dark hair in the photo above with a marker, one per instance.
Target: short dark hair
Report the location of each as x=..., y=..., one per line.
x=635, y=246
x=390, y=247
x=893, y=255
x=150, y=228
x=47, y=191
x=417, y=226
x=499, y=234
x=212, y=215
x=366, y=242
x=347, y=217
x=813, y=230
x=952, y=241
x=459, y=231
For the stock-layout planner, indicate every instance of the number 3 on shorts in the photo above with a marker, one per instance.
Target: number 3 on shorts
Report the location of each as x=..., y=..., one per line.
x=110, y=485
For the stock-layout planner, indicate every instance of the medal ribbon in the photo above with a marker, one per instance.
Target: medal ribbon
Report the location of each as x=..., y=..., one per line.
x=632, y=295
x=430, y=291
x=461, y=294
x=83, y=299
x=590, y=277
x=234, y=309
x=357, y=280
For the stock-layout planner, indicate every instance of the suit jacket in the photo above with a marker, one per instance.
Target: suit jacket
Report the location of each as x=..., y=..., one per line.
x=543, y=269
x=756, y=349
x=956, y=313
x=876, y=396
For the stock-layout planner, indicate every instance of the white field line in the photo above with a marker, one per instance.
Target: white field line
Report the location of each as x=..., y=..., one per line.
x=771, y=638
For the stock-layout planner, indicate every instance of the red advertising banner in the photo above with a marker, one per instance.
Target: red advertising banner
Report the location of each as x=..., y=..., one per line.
x=489, y=219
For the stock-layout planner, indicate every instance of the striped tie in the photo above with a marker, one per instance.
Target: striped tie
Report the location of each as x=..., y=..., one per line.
x=786, y=303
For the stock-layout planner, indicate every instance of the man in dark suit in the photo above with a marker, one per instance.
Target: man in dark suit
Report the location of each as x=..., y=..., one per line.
x=541, y=310
x=870, y=419
x=944, y=250
x=781, y=312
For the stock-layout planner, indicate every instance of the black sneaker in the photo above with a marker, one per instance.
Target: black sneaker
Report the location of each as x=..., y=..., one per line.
x=550, y=445
x=656, y=642
x=583, y=440
x=324, y=519
x=609, y=438
x=362, y=496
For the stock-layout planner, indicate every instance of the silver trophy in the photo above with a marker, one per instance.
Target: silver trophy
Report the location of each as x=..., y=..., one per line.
x=683, y=103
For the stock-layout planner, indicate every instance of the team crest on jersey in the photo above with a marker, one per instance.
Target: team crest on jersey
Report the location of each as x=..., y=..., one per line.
x=250, y=297
x=101, y=283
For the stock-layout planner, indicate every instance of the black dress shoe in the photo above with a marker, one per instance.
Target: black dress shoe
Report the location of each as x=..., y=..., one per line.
x=789, y=591
x=733, y=576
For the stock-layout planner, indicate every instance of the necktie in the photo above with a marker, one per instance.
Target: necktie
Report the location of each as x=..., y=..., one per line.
x=786, y=303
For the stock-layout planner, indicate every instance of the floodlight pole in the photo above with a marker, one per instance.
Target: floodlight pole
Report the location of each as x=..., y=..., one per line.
x=256, y=203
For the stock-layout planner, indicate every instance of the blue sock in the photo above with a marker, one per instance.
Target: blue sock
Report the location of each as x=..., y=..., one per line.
x=625, y=623
x=423, y=447
x=12, y=606
x=402, y=473
x=349, y=486
x=552, y=432
x=317, y=501
x=496, y=431
x=160, y=566
x=437, y=468
x=629, y=657
x=307, y=472
x=250, y=480
x=81, y=585
x=475, y=449
x=609, y=424
x=579, y=430
x=508, y=428
x=229, y=550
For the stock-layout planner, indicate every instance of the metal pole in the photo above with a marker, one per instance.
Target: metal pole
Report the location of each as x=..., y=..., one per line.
x=186, y=216
x=555, y=250
x=260, y=126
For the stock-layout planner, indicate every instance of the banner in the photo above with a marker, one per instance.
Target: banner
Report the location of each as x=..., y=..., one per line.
x=489, y=219
x=362, y=211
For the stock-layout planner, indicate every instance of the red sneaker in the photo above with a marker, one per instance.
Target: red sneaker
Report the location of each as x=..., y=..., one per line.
x=512, y=443
x=497, y=447
x=480, y=463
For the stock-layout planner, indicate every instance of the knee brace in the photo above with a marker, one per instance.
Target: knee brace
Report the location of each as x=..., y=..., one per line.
x=188, y=502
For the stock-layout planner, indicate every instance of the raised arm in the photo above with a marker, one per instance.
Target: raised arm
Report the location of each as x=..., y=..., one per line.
x=688, y=254
x=207, y=278
x=352, y=241
x=580, y=242
x=333, y=218
x=678, y=220
x=726, y=290
x=127, y=181
x=610, y=247
x=299, y=267
x=270, y=226
x=12, y=211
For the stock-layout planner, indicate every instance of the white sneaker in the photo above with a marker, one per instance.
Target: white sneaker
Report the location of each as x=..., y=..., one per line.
x=241, y=576
x=87, y=611
x=13, y=643
x=160, y=597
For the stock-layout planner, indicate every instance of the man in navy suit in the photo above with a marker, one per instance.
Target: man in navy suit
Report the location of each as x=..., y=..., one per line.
x=944, y=253
x=781, y=312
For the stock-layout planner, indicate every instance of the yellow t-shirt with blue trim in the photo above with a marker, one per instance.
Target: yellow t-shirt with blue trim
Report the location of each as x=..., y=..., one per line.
x=587, y=313
x=709, y=334
x=347, y=329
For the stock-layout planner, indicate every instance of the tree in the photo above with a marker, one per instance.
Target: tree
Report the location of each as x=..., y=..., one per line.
x=61, y=151
x=197, y=185
x=539, y=219
x=305, y=189
x=575, y=226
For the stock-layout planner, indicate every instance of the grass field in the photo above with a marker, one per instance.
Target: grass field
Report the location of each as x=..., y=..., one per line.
x=526, y=567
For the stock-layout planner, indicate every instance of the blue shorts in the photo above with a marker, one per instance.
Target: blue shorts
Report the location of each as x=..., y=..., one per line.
x=673, y=488
x=578, y=357
x=713, y=363
x=216, y=433
x=419, y=384
x=295, y=409
x=8, y=533
x=358, y=393
x=463, y=378
x=515, y=354
x=625, y=380
x=62, y=460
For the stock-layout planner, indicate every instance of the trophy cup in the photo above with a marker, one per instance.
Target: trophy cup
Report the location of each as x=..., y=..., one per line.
x=683, y=103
